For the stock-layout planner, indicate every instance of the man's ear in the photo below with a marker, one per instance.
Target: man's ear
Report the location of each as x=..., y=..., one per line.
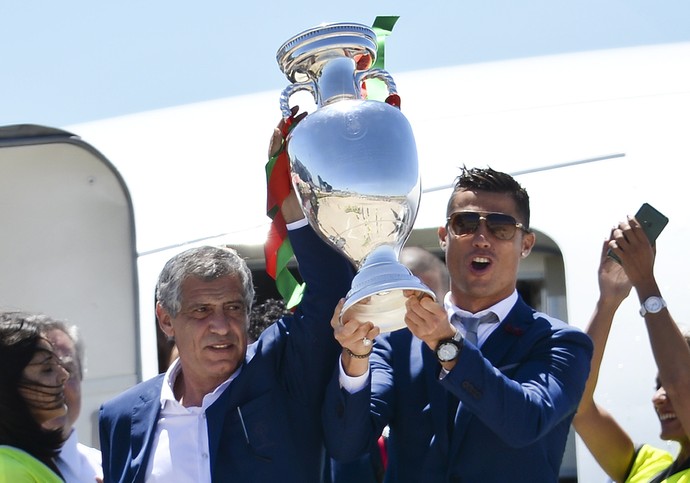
x=164, y=321
x=528, y=241
x=442, y=238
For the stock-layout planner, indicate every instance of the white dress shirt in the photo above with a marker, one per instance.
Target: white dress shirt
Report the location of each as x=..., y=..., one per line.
x=79, y=463
x=501, y=309
x=180, y=450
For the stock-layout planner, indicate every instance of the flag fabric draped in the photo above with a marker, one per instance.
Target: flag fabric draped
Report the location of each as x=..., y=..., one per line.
x=277, y=249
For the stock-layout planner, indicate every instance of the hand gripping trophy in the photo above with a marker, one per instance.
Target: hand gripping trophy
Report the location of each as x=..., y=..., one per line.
x=354, y=165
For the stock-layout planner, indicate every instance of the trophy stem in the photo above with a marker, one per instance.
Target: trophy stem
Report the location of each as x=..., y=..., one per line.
x=336, y=82
x=377, y=290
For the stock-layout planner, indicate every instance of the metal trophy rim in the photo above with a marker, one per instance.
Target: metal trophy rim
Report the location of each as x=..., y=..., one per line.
x=296, y=56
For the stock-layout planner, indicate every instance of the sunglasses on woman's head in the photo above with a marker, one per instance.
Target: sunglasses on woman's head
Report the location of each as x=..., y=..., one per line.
x=500, y=225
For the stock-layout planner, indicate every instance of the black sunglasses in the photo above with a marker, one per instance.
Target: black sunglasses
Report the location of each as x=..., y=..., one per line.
x=500, y=225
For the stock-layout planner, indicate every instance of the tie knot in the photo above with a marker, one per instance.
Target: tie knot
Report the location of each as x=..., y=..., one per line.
x=472, y=323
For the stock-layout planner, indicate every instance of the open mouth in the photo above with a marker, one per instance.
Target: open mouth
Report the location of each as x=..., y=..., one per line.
x=667, y=416
x=480, y=263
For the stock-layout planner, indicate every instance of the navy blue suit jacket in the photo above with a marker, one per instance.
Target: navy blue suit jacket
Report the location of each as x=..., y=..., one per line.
x=517, y=399
x=279, y=392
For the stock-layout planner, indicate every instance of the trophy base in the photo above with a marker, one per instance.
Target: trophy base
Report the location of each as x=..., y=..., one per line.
x=377, y=291
x=385, y=309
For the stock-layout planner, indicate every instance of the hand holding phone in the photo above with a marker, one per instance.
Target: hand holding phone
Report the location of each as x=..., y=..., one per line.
x=652, y=222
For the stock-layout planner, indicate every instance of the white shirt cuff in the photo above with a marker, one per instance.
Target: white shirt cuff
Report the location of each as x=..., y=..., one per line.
x=349, y=383
x=297, y=224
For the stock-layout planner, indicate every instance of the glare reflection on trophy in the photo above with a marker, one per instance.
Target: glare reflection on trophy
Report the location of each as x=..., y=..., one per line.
x=354, y=165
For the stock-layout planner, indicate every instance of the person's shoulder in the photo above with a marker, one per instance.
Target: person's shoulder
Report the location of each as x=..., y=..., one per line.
x=523, y=310
x=649, y=461
x=554, y=322
x=149, y=389
x=10, y=453
x=523, y=317
x=549, y=325
x=18, y=466
x=557, y=325
x=561, y=333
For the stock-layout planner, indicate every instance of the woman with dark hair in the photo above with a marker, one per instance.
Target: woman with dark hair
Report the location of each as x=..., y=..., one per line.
x=31, y=396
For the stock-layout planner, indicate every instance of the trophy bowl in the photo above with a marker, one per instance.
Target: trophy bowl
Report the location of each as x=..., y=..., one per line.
x=354, y=165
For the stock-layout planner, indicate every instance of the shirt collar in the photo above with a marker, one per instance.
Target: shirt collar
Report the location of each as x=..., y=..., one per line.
x=168, y=395
x=501, y=309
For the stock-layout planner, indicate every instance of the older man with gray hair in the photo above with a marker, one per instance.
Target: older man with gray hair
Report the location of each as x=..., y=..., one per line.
x=77, y=462
x=226, y=410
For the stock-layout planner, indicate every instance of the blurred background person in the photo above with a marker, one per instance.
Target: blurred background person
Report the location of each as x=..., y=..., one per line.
x=263, y=315
x=77, y=462
x=32, y=382
x=429, y=268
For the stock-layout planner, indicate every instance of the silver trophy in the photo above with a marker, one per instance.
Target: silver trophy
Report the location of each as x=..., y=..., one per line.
x=354, y=165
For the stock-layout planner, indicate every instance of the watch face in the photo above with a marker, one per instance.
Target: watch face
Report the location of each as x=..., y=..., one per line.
x=653, y=304
x=447, y=351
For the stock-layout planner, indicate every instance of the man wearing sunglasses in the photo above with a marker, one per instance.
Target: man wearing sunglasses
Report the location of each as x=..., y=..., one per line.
x=490, y=403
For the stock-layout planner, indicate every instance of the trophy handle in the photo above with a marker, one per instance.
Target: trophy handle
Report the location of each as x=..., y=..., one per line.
x=381, y=75
x=290, y=90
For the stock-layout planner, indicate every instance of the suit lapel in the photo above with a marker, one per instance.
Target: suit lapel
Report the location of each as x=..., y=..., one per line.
x=496, y=349
x=507, y=334
x=222, y=409
x=144, y=420
x=216, y=415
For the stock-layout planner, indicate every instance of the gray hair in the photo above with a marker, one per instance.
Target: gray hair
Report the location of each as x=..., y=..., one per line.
x=207, y=263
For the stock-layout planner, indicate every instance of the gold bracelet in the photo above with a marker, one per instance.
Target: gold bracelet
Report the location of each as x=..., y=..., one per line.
x=358, y=356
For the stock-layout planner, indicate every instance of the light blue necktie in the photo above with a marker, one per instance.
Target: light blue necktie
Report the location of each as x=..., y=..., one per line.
x=472, y=323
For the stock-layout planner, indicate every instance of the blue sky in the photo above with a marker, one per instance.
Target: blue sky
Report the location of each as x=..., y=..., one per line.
x=81, y=60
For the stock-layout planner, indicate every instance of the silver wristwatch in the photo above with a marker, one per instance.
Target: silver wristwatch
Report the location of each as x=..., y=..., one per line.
x=449, y=349
x=652, y=305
